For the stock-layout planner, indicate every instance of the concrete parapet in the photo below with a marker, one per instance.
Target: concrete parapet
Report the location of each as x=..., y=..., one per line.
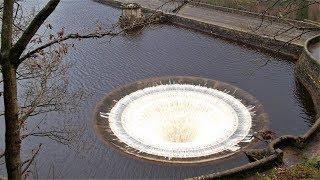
x=257, y=15
x=242, y=171
x=308, y=71
x=263, y=42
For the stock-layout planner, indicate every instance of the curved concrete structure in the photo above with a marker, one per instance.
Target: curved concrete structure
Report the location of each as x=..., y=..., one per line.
x=179, y=119
x=308, y=71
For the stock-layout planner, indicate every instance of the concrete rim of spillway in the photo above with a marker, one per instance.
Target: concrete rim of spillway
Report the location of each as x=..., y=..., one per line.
x=117, y=119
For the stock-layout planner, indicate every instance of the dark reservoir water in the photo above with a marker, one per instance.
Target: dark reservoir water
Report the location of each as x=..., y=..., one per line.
x=101, y=65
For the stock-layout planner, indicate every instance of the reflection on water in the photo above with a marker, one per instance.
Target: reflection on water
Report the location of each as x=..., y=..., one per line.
x=101, y=65
x=305, y=102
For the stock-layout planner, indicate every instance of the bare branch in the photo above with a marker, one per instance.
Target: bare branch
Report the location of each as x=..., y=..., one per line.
x=70, y=36
x=98, y=34
x=30, y=161
x=64, y=136
x=2, y=154
x=31, y=30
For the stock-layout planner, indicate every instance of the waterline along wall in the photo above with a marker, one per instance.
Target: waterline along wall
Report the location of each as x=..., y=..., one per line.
x=262, y=42
x=308, y=71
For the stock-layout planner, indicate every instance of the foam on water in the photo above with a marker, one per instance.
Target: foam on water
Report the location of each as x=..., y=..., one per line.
x=181, y=121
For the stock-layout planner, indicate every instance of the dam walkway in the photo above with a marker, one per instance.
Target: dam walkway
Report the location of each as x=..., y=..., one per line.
x=288, y=32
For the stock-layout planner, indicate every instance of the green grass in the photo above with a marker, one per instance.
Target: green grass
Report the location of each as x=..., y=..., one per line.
x=306, y=169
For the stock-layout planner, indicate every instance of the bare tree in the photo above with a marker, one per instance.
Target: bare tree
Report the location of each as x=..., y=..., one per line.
x=29, y=61
x=9, y=59
x=42, y=94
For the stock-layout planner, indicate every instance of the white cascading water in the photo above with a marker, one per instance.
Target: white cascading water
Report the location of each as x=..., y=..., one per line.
x=181, y=121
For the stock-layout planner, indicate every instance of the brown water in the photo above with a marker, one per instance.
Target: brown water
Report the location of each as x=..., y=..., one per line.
x=101, y=65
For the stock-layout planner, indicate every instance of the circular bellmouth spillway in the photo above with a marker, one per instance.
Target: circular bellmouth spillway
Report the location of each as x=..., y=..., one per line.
x=179, y=119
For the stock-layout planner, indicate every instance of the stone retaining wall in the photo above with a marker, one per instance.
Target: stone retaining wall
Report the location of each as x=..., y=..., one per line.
x=258, y=15
x=308, y=72
x=243, y=171
x=262, y=42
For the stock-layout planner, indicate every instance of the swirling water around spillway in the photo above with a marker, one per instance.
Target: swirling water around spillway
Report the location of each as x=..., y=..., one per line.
x=102, y=65
x=179, y=119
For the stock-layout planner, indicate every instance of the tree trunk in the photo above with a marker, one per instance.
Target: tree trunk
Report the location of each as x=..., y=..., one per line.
x=12, y=136
x=9, y=59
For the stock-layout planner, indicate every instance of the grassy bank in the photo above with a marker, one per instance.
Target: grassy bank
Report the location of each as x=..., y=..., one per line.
x=306, y=169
